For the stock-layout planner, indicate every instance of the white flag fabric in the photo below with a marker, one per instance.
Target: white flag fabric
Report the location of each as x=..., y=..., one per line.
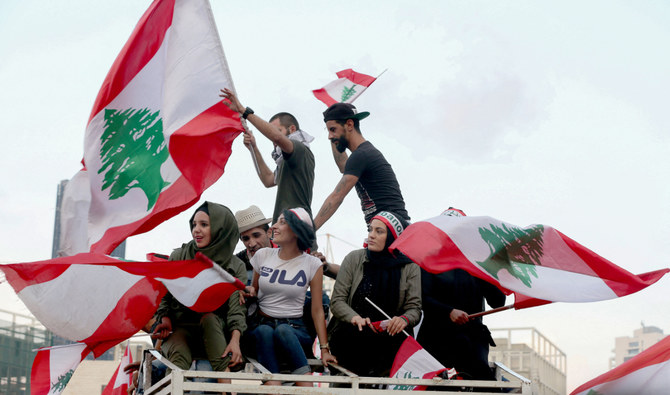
x=101, y=301
x=647, y=373
x=53, y=368
x=120, y=381
x=413, y=361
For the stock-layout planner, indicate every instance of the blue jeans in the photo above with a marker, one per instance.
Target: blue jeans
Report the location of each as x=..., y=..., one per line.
x=285, y=337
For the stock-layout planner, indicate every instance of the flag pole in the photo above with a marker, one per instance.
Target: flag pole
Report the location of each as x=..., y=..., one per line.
x=79, y=343
x=487, y=312
x=383, y=312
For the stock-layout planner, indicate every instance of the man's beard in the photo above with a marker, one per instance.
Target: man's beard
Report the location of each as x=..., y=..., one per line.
x=342, y=144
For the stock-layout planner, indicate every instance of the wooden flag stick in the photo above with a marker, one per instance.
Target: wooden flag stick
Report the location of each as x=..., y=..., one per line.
x=487, y=312
x=383, y=312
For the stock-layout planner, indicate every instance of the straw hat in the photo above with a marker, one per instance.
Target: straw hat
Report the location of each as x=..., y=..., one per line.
x=250, y=218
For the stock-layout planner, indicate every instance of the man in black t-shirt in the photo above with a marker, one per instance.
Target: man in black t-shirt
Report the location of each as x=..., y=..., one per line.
x=366, y=168
x=294, y=174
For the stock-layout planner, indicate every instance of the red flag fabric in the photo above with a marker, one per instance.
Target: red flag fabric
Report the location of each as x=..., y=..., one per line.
x=345, y=89
x=53, y=368
x=158, y=134
x=538, y=263
x=120, y=381
x=413, y=361
x=647, y=373
x=100, y=301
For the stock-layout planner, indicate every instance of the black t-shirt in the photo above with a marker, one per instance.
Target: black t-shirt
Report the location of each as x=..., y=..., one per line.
x=377, y=186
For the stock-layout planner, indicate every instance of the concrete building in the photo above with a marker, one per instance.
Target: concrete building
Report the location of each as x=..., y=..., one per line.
x=626, y=347
x=530, y=354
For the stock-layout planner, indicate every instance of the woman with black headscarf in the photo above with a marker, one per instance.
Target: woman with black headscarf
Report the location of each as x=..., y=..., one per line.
x=281, y=278
x=216, y=335
x=392, y=282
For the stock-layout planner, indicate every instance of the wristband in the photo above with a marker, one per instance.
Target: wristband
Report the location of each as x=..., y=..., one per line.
x=405, y=318
x=247, y=112
x=322, y=346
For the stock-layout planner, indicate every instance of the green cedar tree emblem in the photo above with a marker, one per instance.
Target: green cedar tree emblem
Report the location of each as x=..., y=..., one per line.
x=347, y=92
x=593, y=392
x=514, y=249
x=405, y=387
x=132, y=151
x=62, y=381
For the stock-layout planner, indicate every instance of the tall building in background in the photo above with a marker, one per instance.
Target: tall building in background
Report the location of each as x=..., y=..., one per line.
x=626, y=347
x=530, y=354
x=119, y=252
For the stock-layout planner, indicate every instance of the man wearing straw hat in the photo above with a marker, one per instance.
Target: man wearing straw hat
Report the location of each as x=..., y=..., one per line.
x=254, y=234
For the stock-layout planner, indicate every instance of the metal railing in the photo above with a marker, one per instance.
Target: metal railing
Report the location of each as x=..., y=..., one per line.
x=180, y=382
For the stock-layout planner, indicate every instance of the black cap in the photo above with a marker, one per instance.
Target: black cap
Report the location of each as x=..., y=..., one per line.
x=342, y=112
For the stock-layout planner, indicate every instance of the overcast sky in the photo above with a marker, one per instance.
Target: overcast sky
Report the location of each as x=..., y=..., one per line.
x=530, y=112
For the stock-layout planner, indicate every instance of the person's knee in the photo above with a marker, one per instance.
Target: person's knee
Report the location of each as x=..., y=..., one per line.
x=263, y=333
x=284, y=333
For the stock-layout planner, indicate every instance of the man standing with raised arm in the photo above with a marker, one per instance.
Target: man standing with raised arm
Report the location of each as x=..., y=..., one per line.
x=366, y=168
x=294, y=175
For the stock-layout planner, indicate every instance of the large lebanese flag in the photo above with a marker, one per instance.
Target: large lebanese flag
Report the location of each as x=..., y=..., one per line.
x=101, y=301
x=53, y=368
x=538, y=263
x=345, y=89
x=647, y=373
x=158, y=134
x=120, y=381
x=413, y=361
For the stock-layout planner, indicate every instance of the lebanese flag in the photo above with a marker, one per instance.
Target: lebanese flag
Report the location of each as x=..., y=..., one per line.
x=345, y=89
x=413, y=362
x=158, y=134
x=645, y=373
x=120, y=381
x=53, y=368
x=100, y=301
x=538, y=263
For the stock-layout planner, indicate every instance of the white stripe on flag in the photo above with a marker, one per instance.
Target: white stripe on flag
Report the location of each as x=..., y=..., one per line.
x=99, y=297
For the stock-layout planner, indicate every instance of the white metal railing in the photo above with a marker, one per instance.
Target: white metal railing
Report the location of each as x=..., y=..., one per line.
x=179, y=382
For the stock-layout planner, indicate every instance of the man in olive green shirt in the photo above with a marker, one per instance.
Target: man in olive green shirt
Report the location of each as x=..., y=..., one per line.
x=294, y=175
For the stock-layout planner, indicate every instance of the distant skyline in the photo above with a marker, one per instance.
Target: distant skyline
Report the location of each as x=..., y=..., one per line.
x=549, y=113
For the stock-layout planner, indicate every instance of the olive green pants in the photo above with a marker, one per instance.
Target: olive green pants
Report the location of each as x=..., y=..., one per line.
x=197, y=340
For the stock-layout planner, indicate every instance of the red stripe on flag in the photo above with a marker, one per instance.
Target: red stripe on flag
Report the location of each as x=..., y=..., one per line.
x=433, y=250
x=213, y=131
x=143, y=45
x=621, y=281
x=408, y=348
x=21, y=275
x=323, y=95
x=356, y=78
x=40, y=376
x=656, y=354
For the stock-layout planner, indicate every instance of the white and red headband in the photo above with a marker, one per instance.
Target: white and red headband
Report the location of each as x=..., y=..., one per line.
x=391, y=221
x=303, y=215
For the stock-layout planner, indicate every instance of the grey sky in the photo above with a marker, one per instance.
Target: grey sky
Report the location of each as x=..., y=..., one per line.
x=530, y=112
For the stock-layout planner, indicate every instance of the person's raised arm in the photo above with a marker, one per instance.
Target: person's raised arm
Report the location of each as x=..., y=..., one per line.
x=267, y=129
x=334, y=200
x=266, y=175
